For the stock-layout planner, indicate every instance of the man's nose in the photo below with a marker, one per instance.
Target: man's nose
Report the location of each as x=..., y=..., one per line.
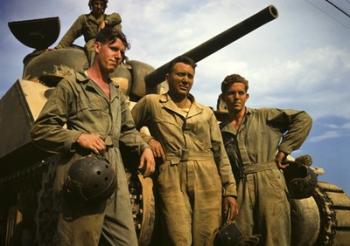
x=118, y=55
x=186, y=79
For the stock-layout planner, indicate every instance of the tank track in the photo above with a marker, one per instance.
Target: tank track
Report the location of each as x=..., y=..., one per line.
x=334, y=207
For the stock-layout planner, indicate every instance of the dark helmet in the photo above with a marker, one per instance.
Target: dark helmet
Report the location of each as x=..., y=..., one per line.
x=91, y=1
x=228, y=235
x=90, y=179
x=301, y=180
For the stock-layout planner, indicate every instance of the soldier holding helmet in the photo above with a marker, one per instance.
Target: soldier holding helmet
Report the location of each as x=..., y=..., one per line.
x=97, y=117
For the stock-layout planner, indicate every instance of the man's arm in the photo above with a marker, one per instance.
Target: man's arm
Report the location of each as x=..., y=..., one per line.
x=113, y=19
x=132, y=138
x=230, y=206
x=48, y=132
x=222, y=160
x=74, y=32
x=141, y=115
x=296, y=126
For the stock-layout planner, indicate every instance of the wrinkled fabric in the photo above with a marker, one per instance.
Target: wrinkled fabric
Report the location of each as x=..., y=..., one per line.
x=87, y=25
x=196, y=173
x=262, y=195
x=80, y=104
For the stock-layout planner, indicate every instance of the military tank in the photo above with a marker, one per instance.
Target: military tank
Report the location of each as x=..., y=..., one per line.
x=321, y=219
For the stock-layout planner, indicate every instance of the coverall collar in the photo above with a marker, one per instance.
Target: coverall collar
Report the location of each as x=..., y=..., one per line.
x=91, y=17
x=169, y=104
x=226, y=126
x=87, y=83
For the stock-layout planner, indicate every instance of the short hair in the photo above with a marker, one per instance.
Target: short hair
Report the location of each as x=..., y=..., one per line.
x=92, y=1
x=231, y=79
x=111, y=34
x=181, y=59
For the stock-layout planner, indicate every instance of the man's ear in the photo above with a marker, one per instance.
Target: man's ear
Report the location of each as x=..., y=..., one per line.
x=247, y=96
x=97, y=47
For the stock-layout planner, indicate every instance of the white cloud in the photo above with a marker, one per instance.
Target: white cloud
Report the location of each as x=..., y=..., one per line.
x=345, y=126
x=325, y=136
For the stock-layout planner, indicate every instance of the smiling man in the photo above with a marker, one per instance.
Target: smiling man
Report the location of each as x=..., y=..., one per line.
x=97, y=117
x=194, y=174
x=257, y=142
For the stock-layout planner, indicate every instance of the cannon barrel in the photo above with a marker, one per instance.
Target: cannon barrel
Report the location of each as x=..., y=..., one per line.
x=218, y=42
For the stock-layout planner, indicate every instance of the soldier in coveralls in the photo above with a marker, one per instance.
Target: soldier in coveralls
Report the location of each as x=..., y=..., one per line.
x=257, y=142
x=97, y=117
x=195, y=174
x=89, y=25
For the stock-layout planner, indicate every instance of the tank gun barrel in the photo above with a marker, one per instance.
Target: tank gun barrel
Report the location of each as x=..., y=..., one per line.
x=218, y=42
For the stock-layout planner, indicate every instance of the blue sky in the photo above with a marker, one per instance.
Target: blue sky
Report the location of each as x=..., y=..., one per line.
x=300, y=60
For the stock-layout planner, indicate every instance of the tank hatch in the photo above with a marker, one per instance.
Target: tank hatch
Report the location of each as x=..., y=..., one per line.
x=37, y=34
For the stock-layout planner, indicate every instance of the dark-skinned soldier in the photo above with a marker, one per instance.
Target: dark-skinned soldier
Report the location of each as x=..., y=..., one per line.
x=195, y=179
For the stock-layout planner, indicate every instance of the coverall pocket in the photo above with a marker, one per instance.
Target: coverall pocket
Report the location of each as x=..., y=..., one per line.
x=276, y=180
x=168, y=178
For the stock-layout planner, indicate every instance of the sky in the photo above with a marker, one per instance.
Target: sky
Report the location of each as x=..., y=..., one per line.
x=301, y=60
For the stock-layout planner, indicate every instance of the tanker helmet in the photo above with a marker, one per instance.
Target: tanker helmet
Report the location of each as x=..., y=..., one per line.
x=91, y=2
x=90, y=179
x=301, y=180
x=228, y=235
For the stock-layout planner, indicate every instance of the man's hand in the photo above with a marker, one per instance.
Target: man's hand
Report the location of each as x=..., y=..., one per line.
x=101, y=25
x=157, y=149
x=147, y=163
x=230, y=208
x=280, y=160
x=93, y=142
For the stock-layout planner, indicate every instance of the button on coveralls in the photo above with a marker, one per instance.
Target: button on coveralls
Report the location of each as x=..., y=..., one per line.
x=262, y=192
x=80, y=104
x=196, y=173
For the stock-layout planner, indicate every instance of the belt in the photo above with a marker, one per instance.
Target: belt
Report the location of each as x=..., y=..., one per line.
x=111, y=142
x=186, y=155
x=259, y=167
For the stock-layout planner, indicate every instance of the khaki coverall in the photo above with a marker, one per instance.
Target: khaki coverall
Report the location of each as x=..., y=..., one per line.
x=262, y=194
x=87, y=25
x=80, y=104
x=196, y=173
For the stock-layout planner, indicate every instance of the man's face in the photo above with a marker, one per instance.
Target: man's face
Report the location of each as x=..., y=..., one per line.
x=110, y=55
x=98, y=7
x=180, y=79
x=236, y=97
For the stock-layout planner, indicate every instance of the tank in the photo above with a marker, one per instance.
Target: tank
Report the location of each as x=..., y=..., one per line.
x=321, y=219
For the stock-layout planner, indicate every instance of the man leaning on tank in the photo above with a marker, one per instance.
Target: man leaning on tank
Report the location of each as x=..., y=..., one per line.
x=257, y=142
x=97, y=117
x=195, y=178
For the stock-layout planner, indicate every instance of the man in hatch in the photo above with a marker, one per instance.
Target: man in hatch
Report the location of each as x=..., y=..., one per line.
x=89, y=25
x=195, y=179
